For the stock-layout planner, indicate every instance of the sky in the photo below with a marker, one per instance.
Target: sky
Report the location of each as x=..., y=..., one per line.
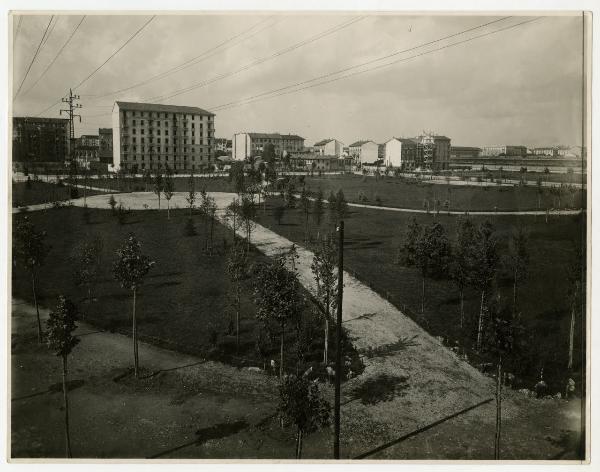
x=520, y=85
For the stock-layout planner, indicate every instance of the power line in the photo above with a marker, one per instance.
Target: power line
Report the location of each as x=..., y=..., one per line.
x=50, y=32
x=34, y=56
x=285, y=90
x=57, y=55
x=281, y=52
x=191, y=62
x=114, y=53
x=18, y=27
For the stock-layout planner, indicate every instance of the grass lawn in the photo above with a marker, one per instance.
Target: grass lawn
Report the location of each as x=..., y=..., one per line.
x=407, y=193
x=372, y=238
x=137, y=184
x=35, y=192
x=185, y=302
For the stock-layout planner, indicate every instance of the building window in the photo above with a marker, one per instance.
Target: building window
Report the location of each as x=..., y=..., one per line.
x=142, y=130
x=142, y=122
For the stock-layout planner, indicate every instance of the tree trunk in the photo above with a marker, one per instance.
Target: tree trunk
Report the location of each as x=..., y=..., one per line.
x=423, y=296
x=498, y=410
x=480, y=323
x=37, y=308
x=212, y=224
x=515, y=293
x=299, y=444
x=462, y=307
x=168, y=208
x=571, y=339
x=135, y=342
x=66, y=402
x=281, y=352
x=159, y=201
x=237, y=319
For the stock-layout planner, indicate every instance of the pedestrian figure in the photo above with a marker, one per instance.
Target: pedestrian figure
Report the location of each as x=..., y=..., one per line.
x=570, y=389
x=541, y=387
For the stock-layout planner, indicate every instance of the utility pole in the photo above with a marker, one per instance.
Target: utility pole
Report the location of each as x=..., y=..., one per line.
x=338, y=343
x=72, y=106
x=70, y=100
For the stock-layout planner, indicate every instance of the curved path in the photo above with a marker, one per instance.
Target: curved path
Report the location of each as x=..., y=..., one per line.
x=427, y=380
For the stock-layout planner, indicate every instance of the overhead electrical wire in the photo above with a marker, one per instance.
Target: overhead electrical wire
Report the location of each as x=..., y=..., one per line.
x=285, y=90
x=256, y=62
x=34, y=56
x=56, y=56
x=131, y=38
x=194, y=60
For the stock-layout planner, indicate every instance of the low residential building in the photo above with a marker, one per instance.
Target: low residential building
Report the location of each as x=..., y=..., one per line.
x=152, y=136
x=329, y=147
x=504, y=150
x=545, y=151
x=364, y=152
x=400, y=153
x=105, y=145
x=223, y=145
x=40, y=139
x=569, y=151
x=440, y=151
x=245, y=145
x=86, y=150
x=464, y=152
x=316, y=162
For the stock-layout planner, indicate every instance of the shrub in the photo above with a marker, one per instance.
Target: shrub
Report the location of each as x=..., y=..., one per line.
x=74, y=192
x=190, y=229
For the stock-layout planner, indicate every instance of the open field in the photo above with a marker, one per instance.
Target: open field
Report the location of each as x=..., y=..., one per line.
x=186, y=302
x=36, y=192
x=408, y=193
x=135, y=184
x=371, y=248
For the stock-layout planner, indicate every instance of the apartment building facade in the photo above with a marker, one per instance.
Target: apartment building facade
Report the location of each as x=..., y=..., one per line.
x=246, y=145
x=40, y=139
x=464, y=152
x=504, y=150
x=153, y=136
x=364, y=152
x=329, y=147
x=105, y=145
x=401, y=153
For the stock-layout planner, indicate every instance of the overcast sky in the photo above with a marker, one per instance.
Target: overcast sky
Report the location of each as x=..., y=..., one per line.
x=518, y=86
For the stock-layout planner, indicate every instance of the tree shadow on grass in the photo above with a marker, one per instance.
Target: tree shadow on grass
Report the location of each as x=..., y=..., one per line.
x=217, y=431
x=390, y=349
x=381, y=388
x=54, y=388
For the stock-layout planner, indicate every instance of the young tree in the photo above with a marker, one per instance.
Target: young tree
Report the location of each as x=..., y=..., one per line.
x=247, y=214
x=147, y=178
x=277, y=296
x=211, y=211
x=318, y=208
x=433, y=255
x=484, y=269
x=301, y=404
x=278, y=213
x=575, y=279
x=324, y=271
x=341, y=206
x=112, y=203
x=236, y=176
x=60, y=326
x=463, y=260
x=129, y=269
x=191, y=198
x=86, y=259
x=232, y=213
x=501, y=335
x=305, y=207
x=168, y=188
x=30, y=248
x=411, y=241
x=517, y=261
x=237, y=268
x=158, y=185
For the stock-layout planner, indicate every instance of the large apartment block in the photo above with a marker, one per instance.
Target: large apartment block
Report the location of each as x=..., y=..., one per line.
x=252, y=144
x=40, y=139
x=504, y=150
x=151, y=136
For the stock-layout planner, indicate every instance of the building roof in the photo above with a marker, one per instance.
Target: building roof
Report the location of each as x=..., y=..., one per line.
x=360, y=143
x=43, y=120
x=323, y=142
x=464, y=148
x=273, y=136
x=314, y=156
x=162, y=108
